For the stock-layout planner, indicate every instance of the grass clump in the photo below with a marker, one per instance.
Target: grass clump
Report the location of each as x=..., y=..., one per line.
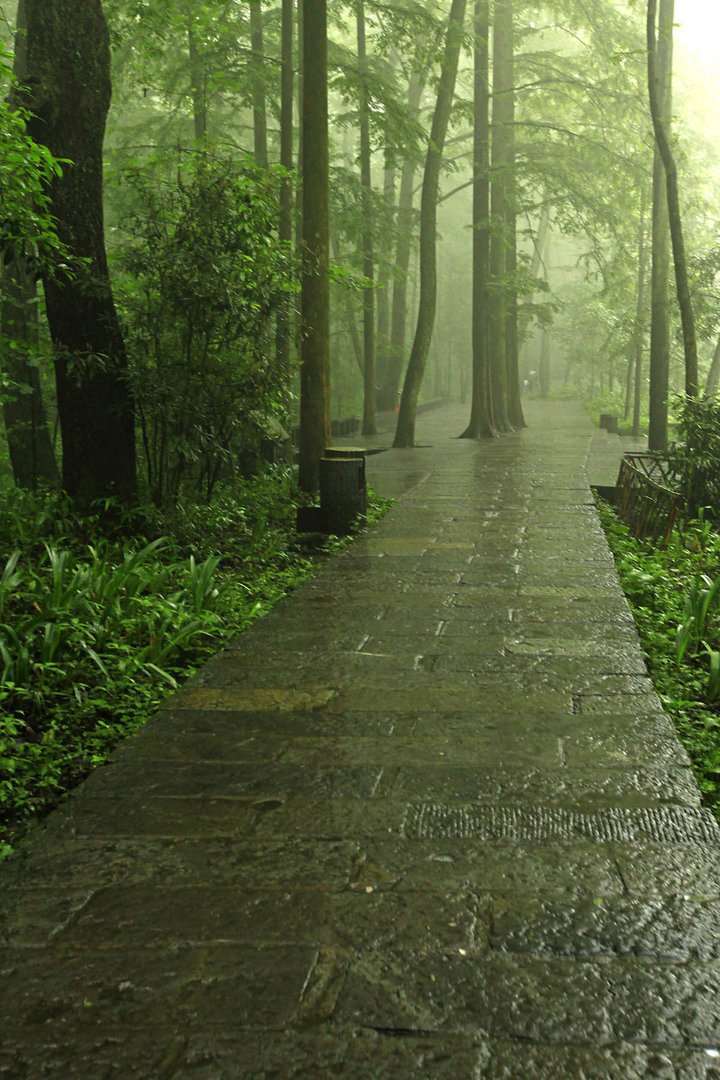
x=674, y=593
x=97, y=625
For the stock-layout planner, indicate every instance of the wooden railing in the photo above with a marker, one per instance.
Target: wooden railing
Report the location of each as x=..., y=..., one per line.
x=646, y=498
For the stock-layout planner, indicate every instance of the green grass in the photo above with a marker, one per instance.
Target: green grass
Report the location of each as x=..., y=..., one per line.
x=674, y=600
x=96, y=629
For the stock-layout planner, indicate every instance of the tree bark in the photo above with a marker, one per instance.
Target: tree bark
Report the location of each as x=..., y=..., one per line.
x=405, y=433
x=660, y=121
x=258, y=84
x=368, y=258
x=315, y=351
x=69, y=79
x=480, y=425
x=26, y=429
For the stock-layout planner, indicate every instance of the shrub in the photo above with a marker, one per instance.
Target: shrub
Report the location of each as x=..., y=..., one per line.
x=205, y=276
x=695, y=456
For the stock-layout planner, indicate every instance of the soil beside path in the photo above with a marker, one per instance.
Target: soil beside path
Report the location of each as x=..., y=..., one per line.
x=427, y=819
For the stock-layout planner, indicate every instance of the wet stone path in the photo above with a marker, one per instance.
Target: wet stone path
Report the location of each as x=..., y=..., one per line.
x=425, y=820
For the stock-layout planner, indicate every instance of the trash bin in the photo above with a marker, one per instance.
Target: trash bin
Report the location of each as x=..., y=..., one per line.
x=343, y=488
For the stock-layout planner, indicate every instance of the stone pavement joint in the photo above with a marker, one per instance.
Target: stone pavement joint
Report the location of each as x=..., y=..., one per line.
x=426, y=820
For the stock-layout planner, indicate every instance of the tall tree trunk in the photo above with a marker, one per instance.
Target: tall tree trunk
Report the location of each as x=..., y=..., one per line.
x=382, y=328
x=499, y=176
x=405, y=433
x=405, y=222
x=639, y=319
x=300, y=96
x=28, y=437
x=69, y=73
x=655, y=75
x=512, y=366
x=368, y=258
x=198, y=89
x=660, y=273
x=315, y=350
x=285, y=228
x=480, y=425
x=258, y=84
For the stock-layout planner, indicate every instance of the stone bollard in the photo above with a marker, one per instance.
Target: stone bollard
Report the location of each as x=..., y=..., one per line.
x=343, y=490
x=609, y=422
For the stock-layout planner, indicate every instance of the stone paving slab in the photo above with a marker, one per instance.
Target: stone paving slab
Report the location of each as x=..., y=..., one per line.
x=425, y=821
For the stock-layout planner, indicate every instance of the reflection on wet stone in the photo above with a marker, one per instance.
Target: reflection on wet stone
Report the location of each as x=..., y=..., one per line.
x=425, y=821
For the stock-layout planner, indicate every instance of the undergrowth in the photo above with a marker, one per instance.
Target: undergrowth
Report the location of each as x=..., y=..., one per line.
x=96, y=629
x=673, y=593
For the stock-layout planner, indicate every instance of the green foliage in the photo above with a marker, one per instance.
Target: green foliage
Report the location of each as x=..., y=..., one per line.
x=695, y=456
x=94, y=631
x=673, y=594
x=206, y=275
x=26, y=168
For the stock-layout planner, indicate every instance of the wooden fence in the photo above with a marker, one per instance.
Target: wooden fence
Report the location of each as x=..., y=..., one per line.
x=646, y=498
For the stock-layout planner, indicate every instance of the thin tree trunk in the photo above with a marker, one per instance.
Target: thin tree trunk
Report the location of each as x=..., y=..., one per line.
x=26, y=428
x=315, y=350
x=300, y=98
x=285, y=228
x=512, y=359
x=197, y=84
x=512, y=370
x=258, y=84
x=639, y=318
x=405, y=433
x=480, y=425
x=662, y=140
x=368, y=258
x=660, y=273
x=69, y=73
x=405, y=222
x=382, y=329
x=498, y=292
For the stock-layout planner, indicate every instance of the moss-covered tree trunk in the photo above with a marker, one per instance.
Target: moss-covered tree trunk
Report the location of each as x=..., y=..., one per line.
x=26, y=428
x=69, y=79
x=405, y=433
x=315, y=350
